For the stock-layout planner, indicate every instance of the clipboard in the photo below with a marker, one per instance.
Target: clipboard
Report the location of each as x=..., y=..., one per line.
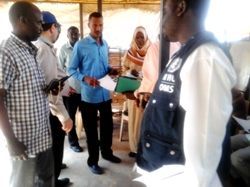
x=127, y=84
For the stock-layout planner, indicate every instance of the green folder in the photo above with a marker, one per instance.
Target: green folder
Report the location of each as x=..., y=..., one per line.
x=127, y=84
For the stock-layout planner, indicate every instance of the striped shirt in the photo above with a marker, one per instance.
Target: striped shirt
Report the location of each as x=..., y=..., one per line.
x=26, y=103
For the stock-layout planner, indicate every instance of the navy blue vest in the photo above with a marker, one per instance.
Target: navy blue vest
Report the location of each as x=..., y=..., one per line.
x=161, y=135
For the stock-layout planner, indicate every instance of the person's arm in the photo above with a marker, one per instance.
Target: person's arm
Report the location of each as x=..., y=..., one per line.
x=75, y=63
x=207, y=79
x=15, y=147
x=74, y=67
x=50, y=68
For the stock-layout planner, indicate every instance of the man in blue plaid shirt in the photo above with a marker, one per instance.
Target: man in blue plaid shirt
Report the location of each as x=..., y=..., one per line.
x=24, y=106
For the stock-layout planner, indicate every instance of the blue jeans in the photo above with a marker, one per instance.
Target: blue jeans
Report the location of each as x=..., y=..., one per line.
x=33, y=172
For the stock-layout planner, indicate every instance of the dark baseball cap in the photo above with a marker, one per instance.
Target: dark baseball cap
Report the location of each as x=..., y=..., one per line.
x=49, y=18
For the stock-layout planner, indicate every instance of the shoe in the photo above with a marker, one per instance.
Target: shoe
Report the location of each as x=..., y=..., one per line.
x=63, y=166
x=112, y=158
x=96, y=169
x=132, y=154
x=62, y=182
x=76, y=148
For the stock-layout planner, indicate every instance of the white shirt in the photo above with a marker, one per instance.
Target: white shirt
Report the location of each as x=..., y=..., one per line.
x=47, y=58
x=207, y=79
x=240, y=52
x=64, y=58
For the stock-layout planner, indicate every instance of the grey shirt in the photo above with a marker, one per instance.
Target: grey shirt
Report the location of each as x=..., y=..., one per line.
x=64, y=57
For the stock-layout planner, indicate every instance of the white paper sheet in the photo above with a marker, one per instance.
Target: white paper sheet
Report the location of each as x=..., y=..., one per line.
x=244, y=123
x=168, y=175
x=108, y=83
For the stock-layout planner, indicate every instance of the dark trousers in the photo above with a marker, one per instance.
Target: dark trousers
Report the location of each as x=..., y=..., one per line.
x=72, y=103
x=225, y=161
x=89, y=115
x=58, y=136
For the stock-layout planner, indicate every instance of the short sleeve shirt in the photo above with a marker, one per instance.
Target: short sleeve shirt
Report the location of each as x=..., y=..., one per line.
x=26, y=103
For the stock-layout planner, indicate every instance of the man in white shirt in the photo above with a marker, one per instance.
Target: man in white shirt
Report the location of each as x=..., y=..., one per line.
x=189, y=110
x=73, y=100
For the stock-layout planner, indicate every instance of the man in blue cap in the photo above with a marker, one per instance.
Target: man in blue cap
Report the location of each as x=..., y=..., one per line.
x=59, y=118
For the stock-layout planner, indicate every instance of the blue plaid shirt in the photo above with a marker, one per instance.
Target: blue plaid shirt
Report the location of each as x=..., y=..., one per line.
x=26, y=103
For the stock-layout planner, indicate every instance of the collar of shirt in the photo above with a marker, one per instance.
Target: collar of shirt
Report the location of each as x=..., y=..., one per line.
x=91, y=39
x=32, y=48
x=68, y=45
x=46, y=41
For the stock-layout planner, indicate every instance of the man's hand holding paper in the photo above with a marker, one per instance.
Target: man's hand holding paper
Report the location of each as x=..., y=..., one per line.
x=91, y=81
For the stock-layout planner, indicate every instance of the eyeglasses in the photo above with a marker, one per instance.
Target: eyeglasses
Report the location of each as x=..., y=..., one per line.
x=58, y=27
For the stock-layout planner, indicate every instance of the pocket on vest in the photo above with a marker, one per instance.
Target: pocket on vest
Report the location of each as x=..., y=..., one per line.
x=161, y=150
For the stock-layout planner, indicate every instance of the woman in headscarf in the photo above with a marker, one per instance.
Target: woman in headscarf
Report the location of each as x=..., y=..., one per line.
x=132, y=65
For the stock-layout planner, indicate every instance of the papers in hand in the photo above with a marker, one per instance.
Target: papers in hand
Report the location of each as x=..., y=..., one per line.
x=120, y=84
x=168, y=175
x=244, y=123
x=108, y=83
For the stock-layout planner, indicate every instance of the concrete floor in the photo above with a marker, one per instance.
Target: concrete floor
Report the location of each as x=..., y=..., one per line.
x=115, y=175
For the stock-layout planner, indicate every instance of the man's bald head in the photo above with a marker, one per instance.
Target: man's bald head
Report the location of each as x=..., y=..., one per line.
x=18, y=9
x=26, y=20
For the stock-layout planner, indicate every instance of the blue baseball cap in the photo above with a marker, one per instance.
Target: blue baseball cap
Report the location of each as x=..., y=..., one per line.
x=49, y=18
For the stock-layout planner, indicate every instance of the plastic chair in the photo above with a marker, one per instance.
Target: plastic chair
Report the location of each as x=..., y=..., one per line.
x=124, y=117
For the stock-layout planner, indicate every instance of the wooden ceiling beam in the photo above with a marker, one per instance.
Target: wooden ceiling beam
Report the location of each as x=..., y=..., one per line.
x=153, y=2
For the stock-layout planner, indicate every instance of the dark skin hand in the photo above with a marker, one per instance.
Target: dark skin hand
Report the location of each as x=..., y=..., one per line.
x=134, y=73
x=145, y=96
x=17, y=150
x=71, y=91
x=91, y=81
x=15, y=147
x=131, y=96
x=58, y=89
x=115, y=71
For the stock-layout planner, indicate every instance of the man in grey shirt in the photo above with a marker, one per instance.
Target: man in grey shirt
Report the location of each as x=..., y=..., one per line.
x=73, y=101
x=60, y=120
